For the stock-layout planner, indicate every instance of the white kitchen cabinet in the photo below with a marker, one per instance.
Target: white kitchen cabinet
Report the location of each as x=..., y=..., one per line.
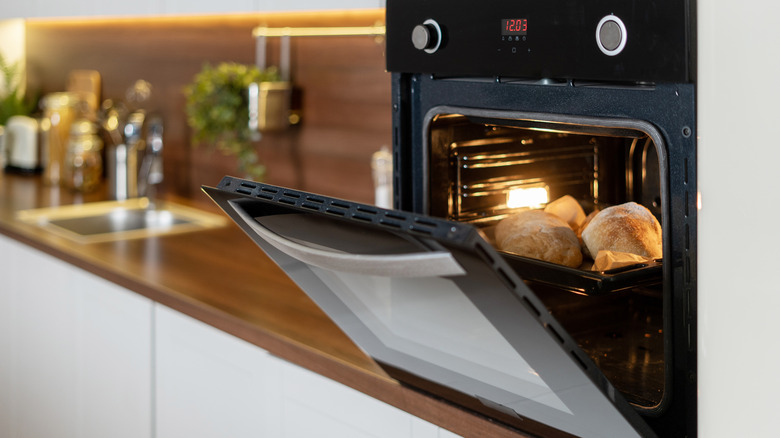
x=13, y=9
x=313, y=405
x=7, y=306
x=95, y=8
x=78, y=8
x=208, y=383
x=211, y=384
x=299, y=5
x=76, y=351
x=89, y=8
x=42, y=363
x=81, y=357
x=207, y=6
x=115, y=360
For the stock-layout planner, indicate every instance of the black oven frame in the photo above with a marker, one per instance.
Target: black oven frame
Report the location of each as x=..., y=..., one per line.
x=669, y=107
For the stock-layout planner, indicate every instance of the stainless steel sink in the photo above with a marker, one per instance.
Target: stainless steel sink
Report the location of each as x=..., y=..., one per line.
x=120, y=220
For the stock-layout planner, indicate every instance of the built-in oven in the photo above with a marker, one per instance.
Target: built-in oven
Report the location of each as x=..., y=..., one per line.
x=493, y=101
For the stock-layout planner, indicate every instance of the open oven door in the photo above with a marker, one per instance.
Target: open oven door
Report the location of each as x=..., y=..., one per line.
x=436, y=306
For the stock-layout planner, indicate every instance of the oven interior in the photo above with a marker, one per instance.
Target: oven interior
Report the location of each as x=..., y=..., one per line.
x=479, y=164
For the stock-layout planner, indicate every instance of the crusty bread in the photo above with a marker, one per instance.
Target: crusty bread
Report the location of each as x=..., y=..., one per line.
x=539, y=235
x=628, y=227
x=584, y=225
x=568, y=209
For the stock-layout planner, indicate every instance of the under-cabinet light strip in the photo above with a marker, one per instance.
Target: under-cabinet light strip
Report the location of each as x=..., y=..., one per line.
x=318, y=31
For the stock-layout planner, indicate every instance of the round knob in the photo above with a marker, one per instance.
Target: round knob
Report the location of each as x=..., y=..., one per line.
x=611, y=35
x=427, y=36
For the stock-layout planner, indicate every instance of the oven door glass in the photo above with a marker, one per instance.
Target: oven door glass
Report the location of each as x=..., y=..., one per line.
x=433, y=304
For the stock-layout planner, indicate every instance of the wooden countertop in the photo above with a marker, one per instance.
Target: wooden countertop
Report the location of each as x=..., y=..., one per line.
x=220, y=277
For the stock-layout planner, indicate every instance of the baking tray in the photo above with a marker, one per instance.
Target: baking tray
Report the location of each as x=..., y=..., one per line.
x=584, y=281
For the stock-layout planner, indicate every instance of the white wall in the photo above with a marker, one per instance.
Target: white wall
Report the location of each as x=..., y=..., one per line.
x=738, y=162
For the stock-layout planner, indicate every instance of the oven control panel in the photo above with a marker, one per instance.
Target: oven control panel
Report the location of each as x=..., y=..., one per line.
x=601, y=40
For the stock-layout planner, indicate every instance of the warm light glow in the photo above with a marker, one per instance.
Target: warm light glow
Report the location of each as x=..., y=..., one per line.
x=530, y=197
x=12, y=47
x=319, y=31
x=371, y=18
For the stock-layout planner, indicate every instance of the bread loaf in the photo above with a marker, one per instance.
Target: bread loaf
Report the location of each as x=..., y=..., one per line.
x=584, y=225
x=568, y=209
x=628, y=227
x=539, y=235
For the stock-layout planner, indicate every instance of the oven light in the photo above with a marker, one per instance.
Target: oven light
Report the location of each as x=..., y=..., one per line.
x=530, y=197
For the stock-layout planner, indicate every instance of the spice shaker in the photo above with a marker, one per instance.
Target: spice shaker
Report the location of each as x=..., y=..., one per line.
x=382, y=172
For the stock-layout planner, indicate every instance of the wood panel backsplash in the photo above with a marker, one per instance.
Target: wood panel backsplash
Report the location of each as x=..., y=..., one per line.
x=344, y=90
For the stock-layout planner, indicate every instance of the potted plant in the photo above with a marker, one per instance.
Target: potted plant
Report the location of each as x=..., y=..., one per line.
x=12, y=99
x=217, y=107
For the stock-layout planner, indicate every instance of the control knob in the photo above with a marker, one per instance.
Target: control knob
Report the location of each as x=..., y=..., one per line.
x=611, y=35
x=427, y=36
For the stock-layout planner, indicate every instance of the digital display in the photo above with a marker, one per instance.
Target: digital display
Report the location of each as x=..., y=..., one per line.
x=514, y=26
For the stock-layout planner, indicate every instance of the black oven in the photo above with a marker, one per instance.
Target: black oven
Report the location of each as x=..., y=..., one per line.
x=593, y=100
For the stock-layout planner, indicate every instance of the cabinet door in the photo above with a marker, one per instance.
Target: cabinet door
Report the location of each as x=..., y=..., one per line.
x=82, y=8
x=44, y=363
x=313, y=405
x=300, y=5
x=211, y=384
x=115, y=361
x=8, y=264
x=93, y=8
x=208, y=383
x=15, y=10
x=207, y=6
x=76, y=351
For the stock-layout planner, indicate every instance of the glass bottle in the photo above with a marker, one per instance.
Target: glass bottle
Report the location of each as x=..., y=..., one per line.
x=59, y=111
x=83, y=164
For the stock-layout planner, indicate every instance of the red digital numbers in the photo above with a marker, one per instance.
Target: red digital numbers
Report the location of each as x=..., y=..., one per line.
x=514, y=26
x=519, y=25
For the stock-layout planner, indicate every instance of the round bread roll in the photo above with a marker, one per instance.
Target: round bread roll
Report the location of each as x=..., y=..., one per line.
x=539, y=235
x=584, y=225
x=568, y=209
x=628, y=227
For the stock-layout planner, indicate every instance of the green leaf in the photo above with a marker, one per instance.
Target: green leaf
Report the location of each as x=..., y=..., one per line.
x=217, y=109
x=12, y=102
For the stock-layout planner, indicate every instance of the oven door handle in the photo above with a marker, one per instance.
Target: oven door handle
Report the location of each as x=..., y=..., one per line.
x=422, y=264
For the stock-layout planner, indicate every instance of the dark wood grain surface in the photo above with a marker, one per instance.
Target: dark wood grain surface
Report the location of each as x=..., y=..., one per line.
x=342, y=87
x=220, y=277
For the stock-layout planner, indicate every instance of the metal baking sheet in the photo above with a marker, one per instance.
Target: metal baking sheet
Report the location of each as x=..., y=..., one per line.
x=584, y=281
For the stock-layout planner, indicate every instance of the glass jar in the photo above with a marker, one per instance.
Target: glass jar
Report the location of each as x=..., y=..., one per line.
x=59, y=111
x=83, y=164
